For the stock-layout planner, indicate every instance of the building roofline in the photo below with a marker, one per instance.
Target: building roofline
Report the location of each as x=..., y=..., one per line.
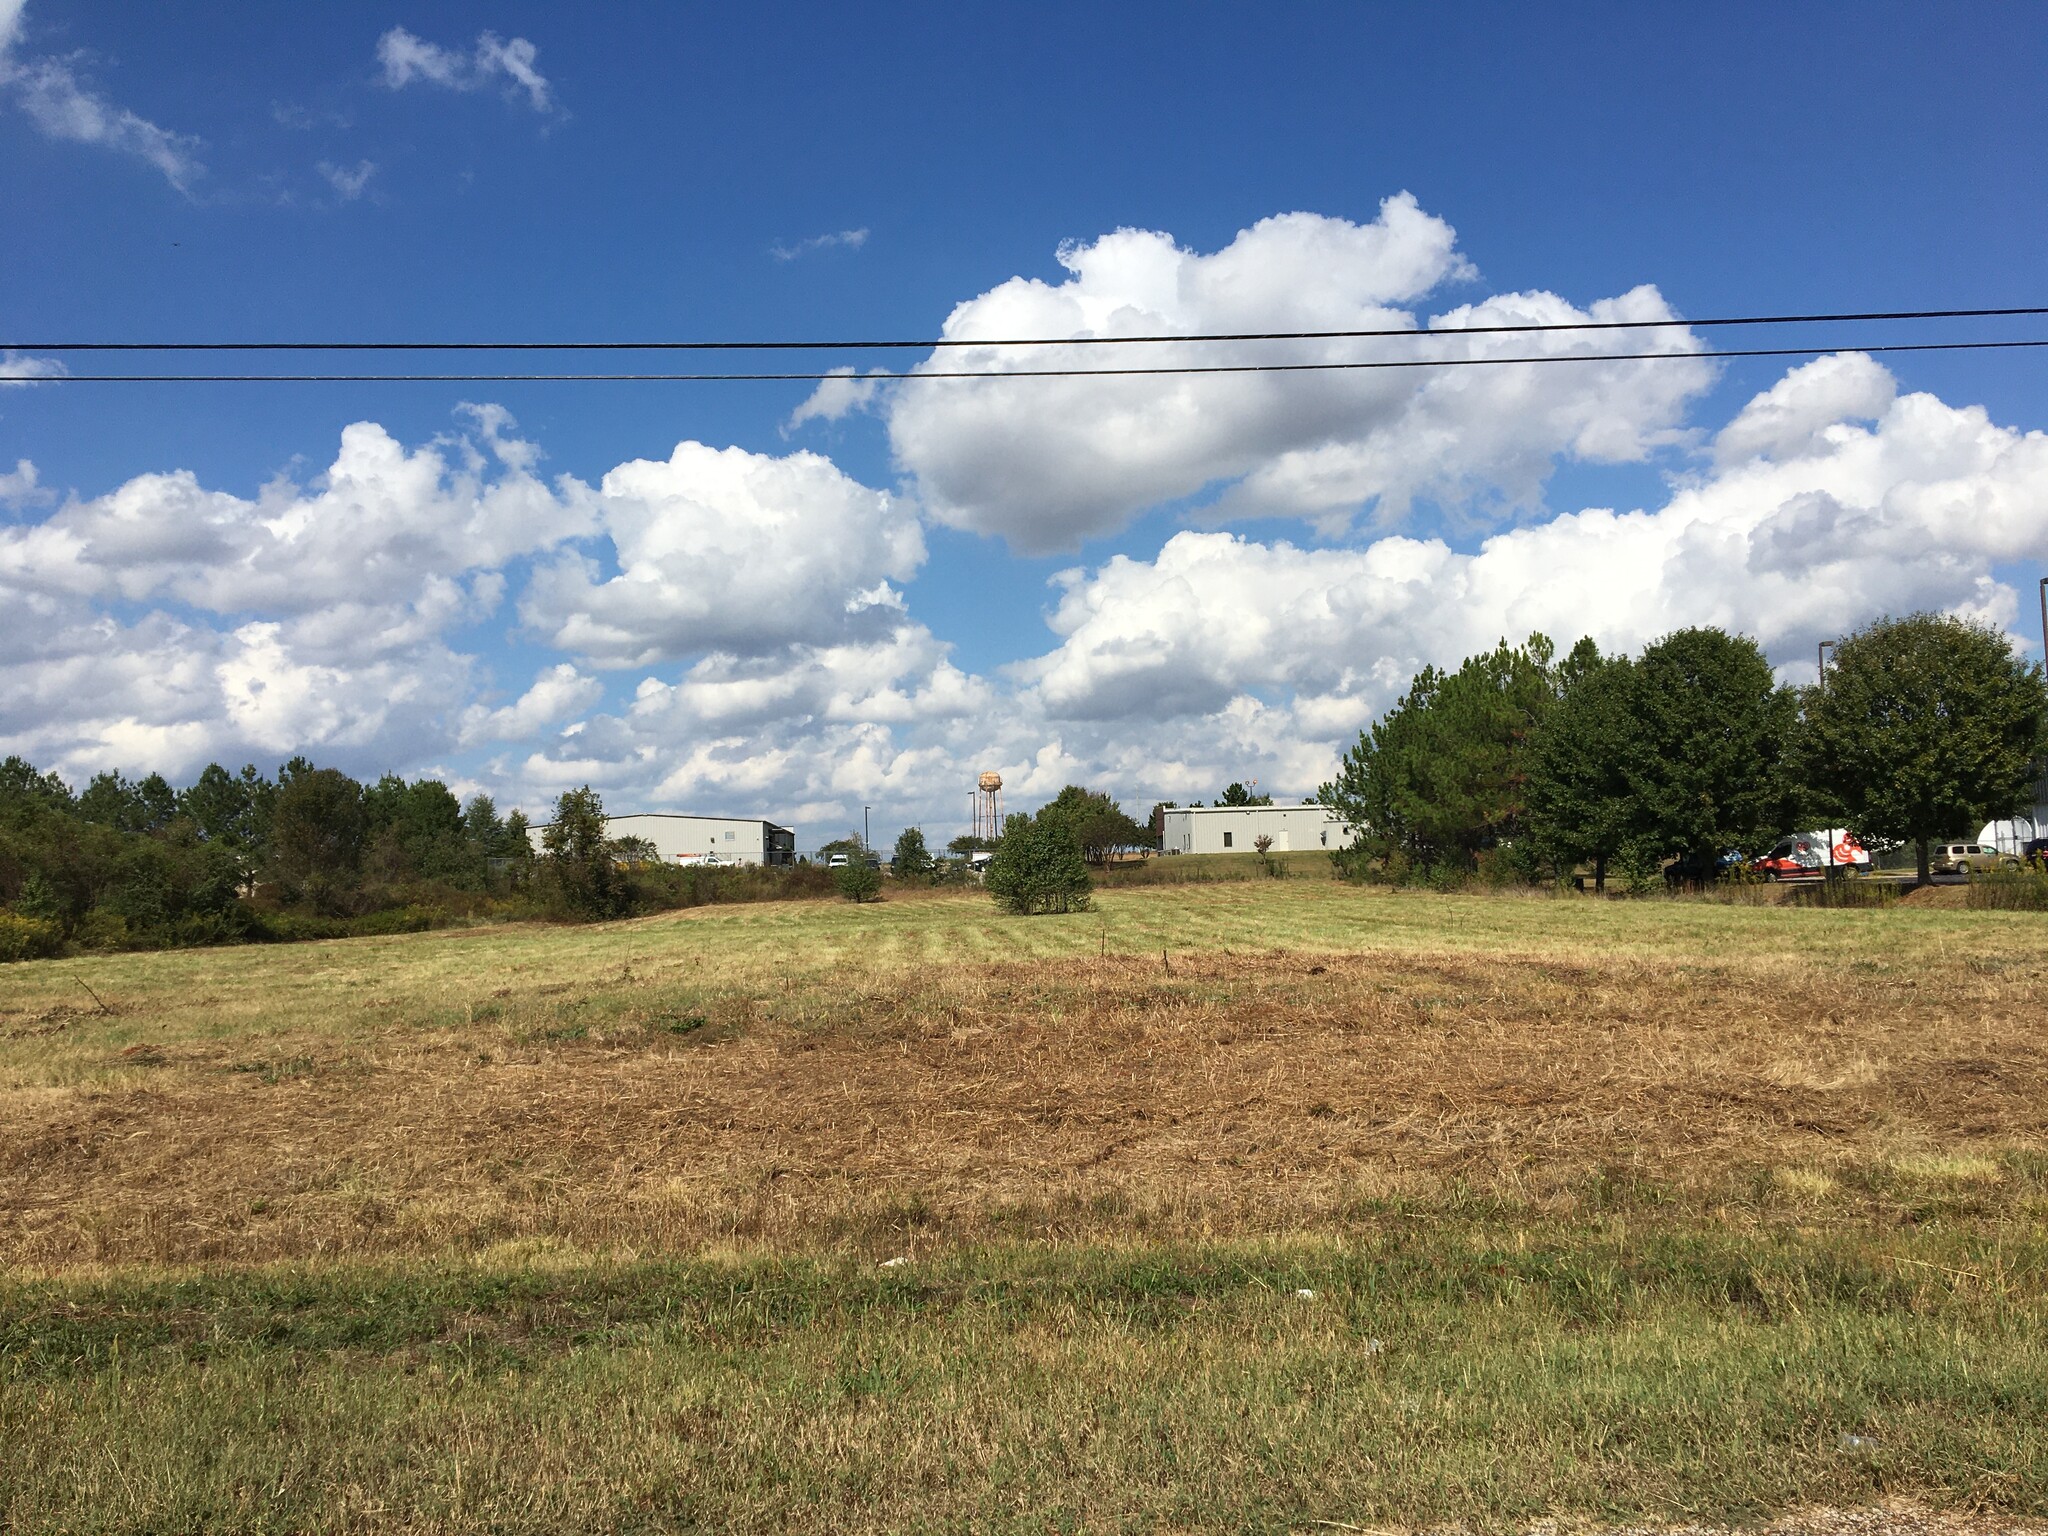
x=1203, y=810
x=751, y=821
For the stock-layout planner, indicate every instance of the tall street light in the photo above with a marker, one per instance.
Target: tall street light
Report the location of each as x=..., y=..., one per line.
x=863, y=829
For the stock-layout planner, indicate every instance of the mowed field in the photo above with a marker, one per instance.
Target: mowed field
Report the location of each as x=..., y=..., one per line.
x=1232, y=1206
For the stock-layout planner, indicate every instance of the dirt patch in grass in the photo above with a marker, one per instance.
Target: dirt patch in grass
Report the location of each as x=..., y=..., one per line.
x=1956, y=897
x=1188, y=1095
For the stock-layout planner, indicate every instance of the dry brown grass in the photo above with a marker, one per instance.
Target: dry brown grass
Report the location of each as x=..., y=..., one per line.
x=1106, y=1096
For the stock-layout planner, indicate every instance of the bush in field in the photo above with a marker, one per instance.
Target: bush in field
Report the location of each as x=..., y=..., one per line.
x=913, y=859
x=858, y=880
x=28, y=938
x=1038, y=866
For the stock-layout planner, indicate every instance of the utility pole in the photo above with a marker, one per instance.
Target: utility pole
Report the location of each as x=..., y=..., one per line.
x=1821, y=658
x=2044, y=662
x=864, y=829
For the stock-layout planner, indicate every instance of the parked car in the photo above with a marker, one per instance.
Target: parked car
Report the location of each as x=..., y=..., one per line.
x=1811, y=855
x=1968, y=859
x=1693, y=870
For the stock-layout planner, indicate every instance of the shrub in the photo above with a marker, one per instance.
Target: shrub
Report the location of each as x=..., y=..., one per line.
x=39, y=900
x=103, y=931
x=1038, y=867
x=1845, y=892
x=1639, y=868
x=858, y=880
x=28, y=938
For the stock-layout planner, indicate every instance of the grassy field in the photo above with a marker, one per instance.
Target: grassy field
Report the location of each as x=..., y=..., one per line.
x=1231, y=1206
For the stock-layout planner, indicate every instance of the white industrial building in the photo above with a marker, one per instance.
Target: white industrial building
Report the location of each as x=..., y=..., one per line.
x=702, y=839
x=1237, y=828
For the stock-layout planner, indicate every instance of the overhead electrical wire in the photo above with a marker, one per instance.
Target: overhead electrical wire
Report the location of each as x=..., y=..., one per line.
x=1386, y=333
x=1362, y=365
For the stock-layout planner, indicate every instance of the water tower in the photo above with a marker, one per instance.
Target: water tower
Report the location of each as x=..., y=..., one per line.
x=988, y=806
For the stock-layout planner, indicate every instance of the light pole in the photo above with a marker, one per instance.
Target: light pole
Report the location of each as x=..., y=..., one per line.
x=1821, y=654
x=863, y=829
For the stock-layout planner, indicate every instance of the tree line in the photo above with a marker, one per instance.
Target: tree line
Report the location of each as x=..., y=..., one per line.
x=311, y=853
x=1528, y=765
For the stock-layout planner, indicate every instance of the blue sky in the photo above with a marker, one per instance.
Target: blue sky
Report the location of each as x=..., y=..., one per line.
x=505, y=170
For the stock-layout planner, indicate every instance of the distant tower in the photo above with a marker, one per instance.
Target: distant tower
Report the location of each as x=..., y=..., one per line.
x=988, y=806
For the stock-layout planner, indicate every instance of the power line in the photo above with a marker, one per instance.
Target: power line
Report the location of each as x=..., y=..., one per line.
x=1001, y=373
x=1032, y=341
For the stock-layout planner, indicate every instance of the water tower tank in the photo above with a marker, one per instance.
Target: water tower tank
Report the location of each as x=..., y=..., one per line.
x=991, y=781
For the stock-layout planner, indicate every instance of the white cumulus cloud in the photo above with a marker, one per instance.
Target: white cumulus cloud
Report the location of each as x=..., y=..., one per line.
x=1047, y=463
x=722, y=549
x=306, y=616
x=558, y=693
x=378, y=526
x=1810, y=527
x=21, y=487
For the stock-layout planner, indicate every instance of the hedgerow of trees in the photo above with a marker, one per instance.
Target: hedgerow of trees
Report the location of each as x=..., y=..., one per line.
x=1519, y=765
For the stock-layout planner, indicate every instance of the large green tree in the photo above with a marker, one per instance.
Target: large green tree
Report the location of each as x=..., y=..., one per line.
x=317, y=827
x=1097, y=822
x=1705, y=748
x=230, y=810
x=1581, y=806
x=1442, y=775
x=579, y=856
x=1924, y=727
x=112, y=801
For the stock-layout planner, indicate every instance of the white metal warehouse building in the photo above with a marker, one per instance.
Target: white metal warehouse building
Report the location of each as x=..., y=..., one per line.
x=1237, y=828
x=687, y=839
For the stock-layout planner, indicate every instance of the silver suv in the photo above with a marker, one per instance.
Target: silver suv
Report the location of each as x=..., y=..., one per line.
x=1968, y=859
